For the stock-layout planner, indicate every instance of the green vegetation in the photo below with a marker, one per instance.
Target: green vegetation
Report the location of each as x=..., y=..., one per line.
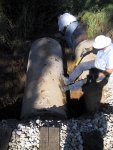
x=99, y=22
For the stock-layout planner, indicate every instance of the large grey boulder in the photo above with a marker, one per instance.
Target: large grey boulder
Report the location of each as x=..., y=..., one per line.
x=43, y=95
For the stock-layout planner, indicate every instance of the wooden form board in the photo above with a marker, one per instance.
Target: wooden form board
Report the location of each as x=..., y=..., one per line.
x=5, y=135
x=49, y=138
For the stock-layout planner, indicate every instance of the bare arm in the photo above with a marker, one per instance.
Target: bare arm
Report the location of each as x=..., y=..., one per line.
x=106, y=72
x=109, y=70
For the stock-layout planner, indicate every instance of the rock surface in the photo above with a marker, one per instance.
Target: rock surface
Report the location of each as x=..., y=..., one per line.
x=44, y=71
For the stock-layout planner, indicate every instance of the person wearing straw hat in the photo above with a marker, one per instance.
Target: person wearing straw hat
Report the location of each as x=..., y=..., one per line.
x=103, y=62
x=72, y=30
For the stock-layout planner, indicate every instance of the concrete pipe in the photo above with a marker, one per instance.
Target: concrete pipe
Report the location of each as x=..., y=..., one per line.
x=43, y=95
x=86, y=44
x=90, y=91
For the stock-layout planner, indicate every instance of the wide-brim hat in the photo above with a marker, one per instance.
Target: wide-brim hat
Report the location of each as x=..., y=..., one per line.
x=101, y=41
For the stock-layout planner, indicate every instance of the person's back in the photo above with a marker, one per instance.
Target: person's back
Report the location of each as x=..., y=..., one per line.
x=72, y=30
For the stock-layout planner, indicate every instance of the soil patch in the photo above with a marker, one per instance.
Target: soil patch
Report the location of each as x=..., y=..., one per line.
x=13, y=64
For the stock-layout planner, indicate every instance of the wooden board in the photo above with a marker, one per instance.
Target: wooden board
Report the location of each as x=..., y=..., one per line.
x=49, y=138
x=5, y=134
x=54, y=140
x=44, y=138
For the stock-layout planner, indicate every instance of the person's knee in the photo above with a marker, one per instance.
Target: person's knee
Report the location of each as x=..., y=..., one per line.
x=82, y=66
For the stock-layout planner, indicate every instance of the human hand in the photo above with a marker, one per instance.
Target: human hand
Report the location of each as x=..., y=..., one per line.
x=101, y=75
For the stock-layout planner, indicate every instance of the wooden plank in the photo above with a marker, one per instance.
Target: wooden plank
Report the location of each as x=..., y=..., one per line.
x=54, y=143
x=44, y=137
x=5, y=134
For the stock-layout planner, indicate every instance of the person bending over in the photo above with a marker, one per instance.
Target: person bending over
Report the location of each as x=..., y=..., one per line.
x=72, y=30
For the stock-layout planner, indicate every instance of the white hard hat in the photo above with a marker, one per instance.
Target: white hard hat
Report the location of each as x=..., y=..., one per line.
x=101, y=41
x=65, y=20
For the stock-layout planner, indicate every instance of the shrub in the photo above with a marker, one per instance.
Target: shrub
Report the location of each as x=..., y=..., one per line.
x=99, y=22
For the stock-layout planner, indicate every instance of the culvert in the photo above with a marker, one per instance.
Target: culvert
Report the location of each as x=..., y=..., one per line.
x=43, y=95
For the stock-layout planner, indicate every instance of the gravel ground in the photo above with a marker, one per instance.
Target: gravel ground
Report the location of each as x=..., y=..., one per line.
x=74, y=133
x=88, y=132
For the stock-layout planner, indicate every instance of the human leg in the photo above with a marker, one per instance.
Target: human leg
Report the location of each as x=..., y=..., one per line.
x=77, y=85
x=78, y=70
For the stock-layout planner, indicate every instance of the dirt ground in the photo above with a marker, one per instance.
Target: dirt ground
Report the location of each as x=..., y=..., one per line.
x=13, y=64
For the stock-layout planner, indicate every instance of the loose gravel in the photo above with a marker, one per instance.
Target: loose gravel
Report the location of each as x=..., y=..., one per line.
x=26, y=135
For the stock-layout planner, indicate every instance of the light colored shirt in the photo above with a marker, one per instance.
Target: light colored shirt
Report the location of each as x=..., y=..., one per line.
x=104, y=58
x=69, y=32
x=65, y=19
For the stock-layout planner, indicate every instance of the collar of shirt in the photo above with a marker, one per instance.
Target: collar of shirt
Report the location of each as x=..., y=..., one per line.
x=108, y=48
